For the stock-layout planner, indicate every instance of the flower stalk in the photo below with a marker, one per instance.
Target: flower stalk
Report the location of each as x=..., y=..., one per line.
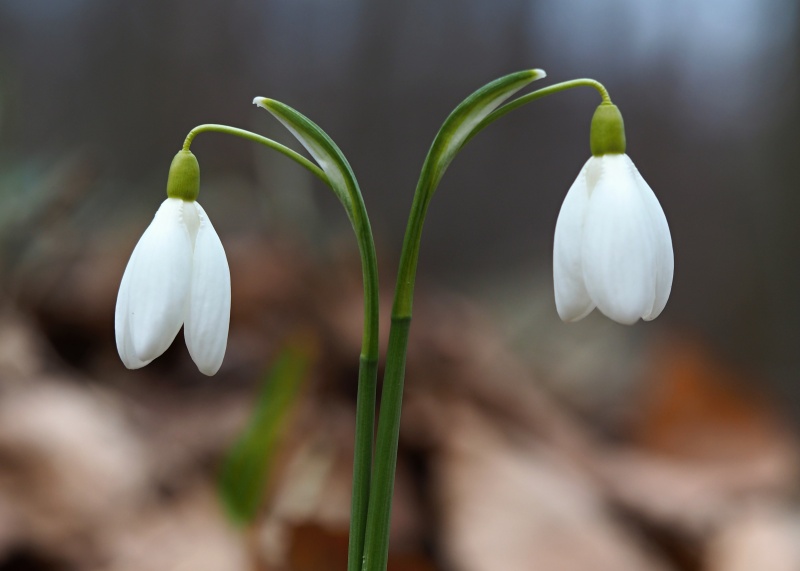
x=473, y=115
x=256, y=138
x=335, y=172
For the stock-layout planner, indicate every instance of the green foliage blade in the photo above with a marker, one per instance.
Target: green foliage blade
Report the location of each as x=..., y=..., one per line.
x=245, y=471
x=459, y=126
x=320, y=146
x=342, y=181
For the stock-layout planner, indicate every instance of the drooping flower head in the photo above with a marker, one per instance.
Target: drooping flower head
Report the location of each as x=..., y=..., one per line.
x=612, y=247
x=177, y=276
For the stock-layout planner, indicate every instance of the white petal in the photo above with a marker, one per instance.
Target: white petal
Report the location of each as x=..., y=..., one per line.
x=121, y=323
x=619, y=250
x=572, y=299
x=208, y=318
x=160, y=275
x=665, y=262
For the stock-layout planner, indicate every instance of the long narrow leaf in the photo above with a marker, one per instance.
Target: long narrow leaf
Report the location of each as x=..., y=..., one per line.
x=320, y=146
x=246, y=470
x=342, y=181
x=455, y=131
x=458, y=127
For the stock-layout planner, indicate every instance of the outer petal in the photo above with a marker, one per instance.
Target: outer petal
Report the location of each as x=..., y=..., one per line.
x=160, y=274
x=665, y=261
x=572, y=299
x=121, y=323
x=209, y=314
x=619, y=248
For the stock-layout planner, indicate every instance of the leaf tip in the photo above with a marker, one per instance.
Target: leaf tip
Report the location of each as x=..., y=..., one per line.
x=537, y=74
x=262, y=102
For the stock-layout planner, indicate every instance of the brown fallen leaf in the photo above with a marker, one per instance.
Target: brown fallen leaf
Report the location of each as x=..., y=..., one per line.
x=762, y=537
x=514, y=504
x=693, y=406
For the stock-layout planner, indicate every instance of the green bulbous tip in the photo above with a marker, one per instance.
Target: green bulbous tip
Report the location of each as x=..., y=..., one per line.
x=184, y=177
x=607, y=135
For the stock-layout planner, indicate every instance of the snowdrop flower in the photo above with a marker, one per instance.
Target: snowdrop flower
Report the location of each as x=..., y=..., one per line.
x=177, y=276
x=612, y=247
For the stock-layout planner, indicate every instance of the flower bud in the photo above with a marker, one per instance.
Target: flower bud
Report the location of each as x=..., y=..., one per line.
x=184, y=177
x=607, y=135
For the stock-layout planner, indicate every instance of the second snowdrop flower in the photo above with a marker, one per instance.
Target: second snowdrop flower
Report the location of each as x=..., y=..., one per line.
x=177, y=276
x=612, y=247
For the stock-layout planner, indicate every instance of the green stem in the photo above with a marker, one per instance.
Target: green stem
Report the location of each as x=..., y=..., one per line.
x=283, y=149
x=538, y=94
x=376, y=549
x=353, y=202
x=376, y=546
x=365, y=399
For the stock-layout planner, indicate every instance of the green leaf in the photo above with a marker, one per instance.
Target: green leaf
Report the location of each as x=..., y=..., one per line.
x=343, y=182
x=459, y=127
x=245, y=471
x=320, y=146
x=468, y=118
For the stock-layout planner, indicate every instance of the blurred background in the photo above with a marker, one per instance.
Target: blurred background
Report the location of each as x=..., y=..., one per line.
x=526, y=443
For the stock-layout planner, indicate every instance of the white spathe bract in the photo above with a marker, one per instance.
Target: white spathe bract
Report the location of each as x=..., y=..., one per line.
x=612, y=247
x=177, y=276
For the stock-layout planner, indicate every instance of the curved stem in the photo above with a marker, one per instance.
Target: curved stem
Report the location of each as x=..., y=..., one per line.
x=376, y=548
x=356, y=212
x=538, y=94
x=283, y=149
x=365, y=398
x=344, y=186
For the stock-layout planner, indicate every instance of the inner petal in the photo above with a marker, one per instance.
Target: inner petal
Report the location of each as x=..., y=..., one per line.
x=619, y=252
x=191, y=219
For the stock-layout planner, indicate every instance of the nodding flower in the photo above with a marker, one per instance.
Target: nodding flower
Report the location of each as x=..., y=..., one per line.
x=612, y=247
x=177, y=276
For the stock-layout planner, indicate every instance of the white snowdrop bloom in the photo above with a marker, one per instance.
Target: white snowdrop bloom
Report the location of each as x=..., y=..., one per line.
x=177, y=276
x=612, y=247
